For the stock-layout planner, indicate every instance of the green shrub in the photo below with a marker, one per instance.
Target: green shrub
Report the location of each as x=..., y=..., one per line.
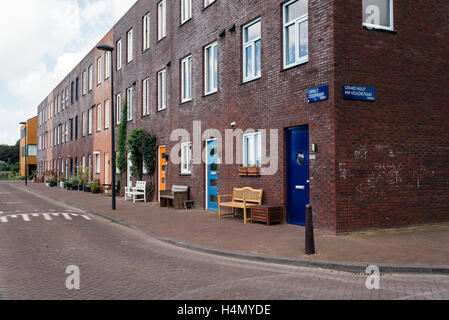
x=95, y=187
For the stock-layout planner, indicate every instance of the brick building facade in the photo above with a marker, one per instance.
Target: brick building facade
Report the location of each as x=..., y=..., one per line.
x=370, y=164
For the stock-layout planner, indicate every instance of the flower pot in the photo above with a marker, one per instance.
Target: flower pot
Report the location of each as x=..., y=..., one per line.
x=243, y=171
x=253, y=171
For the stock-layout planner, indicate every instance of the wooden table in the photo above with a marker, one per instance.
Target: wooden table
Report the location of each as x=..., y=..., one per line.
x=267, y=214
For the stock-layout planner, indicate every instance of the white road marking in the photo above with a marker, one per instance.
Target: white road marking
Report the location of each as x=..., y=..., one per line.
x=25, y=217
x=86, y=217
x=47, y=216
x=4, y=219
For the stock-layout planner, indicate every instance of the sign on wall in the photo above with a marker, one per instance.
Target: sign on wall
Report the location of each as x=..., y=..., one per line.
x=352, y=92
x=318, y=94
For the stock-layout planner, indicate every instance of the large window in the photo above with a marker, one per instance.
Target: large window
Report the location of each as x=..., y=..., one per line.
x=186, y=158
x=129, y=102
x=130, y=46
x=378, y=14
x=107, y=119
x=146, y=97
x=186, y=10
x=186, y=79
x=119, y=54
x=146, y=32
x=252, y=51
x=252, y=149
x=211, y=68
x=296, y=33
x=99, y=71
x=119, y=108
x=99, y=117
x=162, y=90
x=162, y=19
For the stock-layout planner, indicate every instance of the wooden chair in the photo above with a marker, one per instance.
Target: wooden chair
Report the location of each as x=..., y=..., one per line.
x=244, y=198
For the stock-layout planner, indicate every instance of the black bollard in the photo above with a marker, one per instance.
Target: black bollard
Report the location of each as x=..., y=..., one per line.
x=310, y=238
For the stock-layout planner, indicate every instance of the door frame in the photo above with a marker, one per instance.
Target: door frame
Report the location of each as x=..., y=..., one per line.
x=107, y=168
x=159, y=171
x=287, y=165
x=206, y=157
x=128, y=170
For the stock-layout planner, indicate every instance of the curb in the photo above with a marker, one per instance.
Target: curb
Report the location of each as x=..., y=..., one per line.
x=352, y=267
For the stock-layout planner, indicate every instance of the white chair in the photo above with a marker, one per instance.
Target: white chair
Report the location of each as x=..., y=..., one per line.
x=134, y=192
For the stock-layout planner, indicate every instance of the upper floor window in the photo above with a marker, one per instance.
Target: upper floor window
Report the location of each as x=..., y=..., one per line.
x=99, y=71
x=91, y=77
x=146, y=32
x=252, y=51
x=84, y=118
x=296, y=33
x=119, y=108
x=99, y=117
x=107, y=119
x=252, y=149
x=162, y=19
x=378, y=14
x=162, y=90
x=130, y=46
x=186, y=79
x=146, y=97
x=72, y=96
x=107, y=65
x=119, y=54
x=129, y=102
x=91, y=118
x=211, y=68
x=77, y=87
x=84, y=82
x=186, y=10
x=208, y=2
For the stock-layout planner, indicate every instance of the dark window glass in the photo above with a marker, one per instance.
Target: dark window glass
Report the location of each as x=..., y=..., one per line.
x=213, y=198
x=214, y=167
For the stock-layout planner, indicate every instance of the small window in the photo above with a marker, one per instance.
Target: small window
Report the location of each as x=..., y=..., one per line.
x=296, y=33
x=119, y=54
x=186, y=158
x=130, y=45
x=186, y=10
x=107, y=119
x=252, y=149
x=99, y=117
x=211, y=68
x=146, y=97
x=208, y=2
x=119, y=108
x=162, y=90
x=99, y=71
x=162, y=19
x=129, y=103
x=186, y=79
x=251, y=51
x=378, y=14
x=146, y=32
x=91, y=77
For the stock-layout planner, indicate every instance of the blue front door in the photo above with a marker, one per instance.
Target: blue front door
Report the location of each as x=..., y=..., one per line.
x=298, y=187
x=212, y=175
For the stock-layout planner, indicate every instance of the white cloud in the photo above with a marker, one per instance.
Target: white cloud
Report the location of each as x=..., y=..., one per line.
x=44, y=42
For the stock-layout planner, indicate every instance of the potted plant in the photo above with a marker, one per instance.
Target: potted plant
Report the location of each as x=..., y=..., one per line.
x=67, y=185
x=95, y=188
x=74, y=182
x=52, y=182
x=243, y=171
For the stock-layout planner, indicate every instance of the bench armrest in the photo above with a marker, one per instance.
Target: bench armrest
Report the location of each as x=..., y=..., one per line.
x=224, y=196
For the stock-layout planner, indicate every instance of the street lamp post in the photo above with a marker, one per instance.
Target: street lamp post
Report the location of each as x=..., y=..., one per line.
x=110, y=49
x=26, y=153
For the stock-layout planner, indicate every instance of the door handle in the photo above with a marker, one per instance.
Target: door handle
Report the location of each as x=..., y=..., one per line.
x=300, y=187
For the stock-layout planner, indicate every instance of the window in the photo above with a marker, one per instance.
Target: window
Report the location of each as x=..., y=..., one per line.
x=146, y=32
x=67, y=97
x=210, y=66
x=162, y=19
x=252, y=149
x=146, y=97
x=91, y=77
x=84, y=119
x=107, y=120
x=99, y=71
x=77, y=89
x=251, y=51
x=84, y=83
x=76, y=128
x=186, y=158
x=378, y=14
x=72, y=95
x=186, y=10
x=296, y=33
x=99, y=117
x=97, y=163
x=129, y=103
x=162, y=90
x=119, y=54
x=186, y=79
x=91, y=114
x=208, y=2
x=119, y=108
x=130, y=46
x=107, y=65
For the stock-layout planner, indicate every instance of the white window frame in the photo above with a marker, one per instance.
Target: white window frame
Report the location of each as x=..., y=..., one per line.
x=374, y=26
x=84, y=83
x=161, y=20
x=208, y=3
x=129, y=103
x=210, y=68
x=146, y=32
x=186, y=79
x=298, y=60
x=84, y=124
x=255, y=156
x=119, y=54
x=97, y=162
x=99, y=70
x=186, y=10
x=99, y=118
x=91, y=78
x=130, y=46
x=146, y=97
x=162, y=90
x=107, y=117
x=107, y=65
x=251, y=44
x=186, y=158
x=90, y=116
x=119, y=108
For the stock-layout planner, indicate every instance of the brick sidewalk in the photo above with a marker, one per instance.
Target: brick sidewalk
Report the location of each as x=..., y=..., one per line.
x=427, y=245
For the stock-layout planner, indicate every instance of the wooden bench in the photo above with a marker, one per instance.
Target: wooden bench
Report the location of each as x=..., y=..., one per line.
x=178, y=195
x=134, y=192
x=244, y=198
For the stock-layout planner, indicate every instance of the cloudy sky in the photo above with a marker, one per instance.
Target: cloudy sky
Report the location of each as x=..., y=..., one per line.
x=41, y=42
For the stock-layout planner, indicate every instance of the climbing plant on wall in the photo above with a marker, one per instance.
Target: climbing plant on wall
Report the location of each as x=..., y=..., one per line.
x=121, y=148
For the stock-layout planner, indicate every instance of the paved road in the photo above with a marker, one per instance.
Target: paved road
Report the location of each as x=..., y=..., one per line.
x=40, y=238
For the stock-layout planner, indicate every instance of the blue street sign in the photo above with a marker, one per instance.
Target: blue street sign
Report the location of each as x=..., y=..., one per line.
x=352, y=92
x=318, y=94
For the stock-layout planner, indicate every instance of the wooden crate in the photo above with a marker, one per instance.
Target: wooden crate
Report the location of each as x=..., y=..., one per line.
x=267, y=214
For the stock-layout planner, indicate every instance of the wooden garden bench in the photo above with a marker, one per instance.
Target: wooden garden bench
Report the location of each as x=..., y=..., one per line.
x=134, y=192
x=244, y=198
x=178, y=195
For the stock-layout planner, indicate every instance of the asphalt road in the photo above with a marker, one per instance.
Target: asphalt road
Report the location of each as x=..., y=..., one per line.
x=39, y=239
